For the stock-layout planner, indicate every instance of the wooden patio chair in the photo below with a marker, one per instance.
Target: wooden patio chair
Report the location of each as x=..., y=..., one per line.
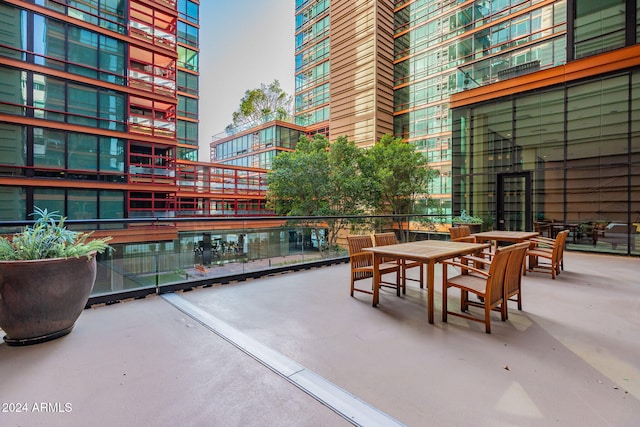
x=547, y=255
x=547, y=243
x=382, y=239
x=362, y=264
x=461, y=233
x=514, y=273
x=487, y=285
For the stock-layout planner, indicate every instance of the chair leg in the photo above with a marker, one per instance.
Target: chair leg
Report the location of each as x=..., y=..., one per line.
x=487, y=319
x=520, y=299
x=464, y=298
x=444, y=294
x=352, y=286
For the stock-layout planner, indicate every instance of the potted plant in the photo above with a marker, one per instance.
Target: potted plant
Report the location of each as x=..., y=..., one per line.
x=47, y=273
x=473, y=222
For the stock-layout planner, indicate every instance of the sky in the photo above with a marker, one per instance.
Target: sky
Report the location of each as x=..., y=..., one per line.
x=243, y=43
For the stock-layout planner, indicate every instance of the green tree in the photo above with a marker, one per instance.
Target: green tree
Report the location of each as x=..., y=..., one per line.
x=398, y=176
x=268, y=102
x=318, y=179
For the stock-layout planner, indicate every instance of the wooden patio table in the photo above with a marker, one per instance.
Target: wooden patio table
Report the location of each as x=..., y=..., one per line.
x=504, y=236
x=427, y=252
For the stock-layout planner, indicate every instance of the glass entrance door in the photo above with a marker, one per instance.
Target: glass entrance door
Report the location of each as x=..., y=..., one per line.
x=514, y=202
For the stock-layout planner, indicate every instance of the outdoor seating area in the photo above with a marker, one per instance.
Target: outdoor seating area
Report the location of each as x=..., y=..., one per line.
x=568, y=358
x=494, y=277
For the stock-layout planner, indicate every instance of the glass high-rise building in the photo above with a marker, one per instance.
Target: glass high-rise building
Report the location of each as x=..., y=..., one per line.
x=370, y=67
x=99, y=113
x=98, y=103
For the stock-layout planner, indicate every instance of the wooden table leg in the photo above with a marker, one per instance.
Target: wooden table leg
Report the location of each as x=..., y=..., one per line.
x=430, y=271
x=376, y=279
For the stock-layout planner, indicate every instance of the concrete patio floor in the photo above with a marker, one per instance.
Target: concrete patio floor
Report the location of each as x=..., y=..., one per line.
x=296, y=350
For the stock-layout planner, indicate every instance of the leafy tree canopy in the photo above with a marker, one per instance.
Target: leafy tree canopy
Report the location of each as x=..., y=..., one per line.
x=268, y=102
x=318, y=179
x=399, y=177
x=334, y=179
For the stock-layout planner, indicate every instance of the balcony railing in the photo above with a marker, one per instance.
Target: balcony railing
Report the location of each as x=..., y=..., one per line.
x=158, y=255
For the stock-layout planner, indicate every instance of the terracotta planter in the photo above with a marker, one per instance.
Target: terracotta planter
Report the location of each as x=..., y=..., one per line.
x=40, y=300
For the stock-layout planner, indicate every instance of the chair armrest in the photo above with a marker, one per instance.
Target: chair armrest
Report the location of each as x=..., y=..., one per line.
x=465, y=267
x=476, y=259
x=542, y=242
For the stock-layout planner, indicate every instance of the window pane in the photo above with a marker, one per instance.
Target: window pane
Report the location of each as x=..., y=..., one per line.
x=83, y=109
x=83, y=152
x=111, y=204
x=12, y=203
x=112, y=110
x=82, y=204
x=187, y=58
x=12, y=142
x=112, y=60
x=597, y=121
x=48, y=98
x=111, y=155
x=49, y=42
x=49, y=199
x=83, y=51
x=11, y=94
x=11, y=24
x=599, y=26
x=539, y=121
x=48, y=148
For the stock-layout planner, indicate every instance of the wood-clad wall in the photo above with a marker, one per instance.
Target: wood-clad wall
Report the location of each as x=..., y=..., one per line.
x=361, y=69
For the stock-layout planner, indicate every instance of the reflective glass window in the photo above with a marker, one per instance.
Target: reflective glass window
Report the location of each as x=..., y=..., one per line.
x=187, y=83
x=187, y=58
x=112, y=60
x=111, y=204
x=12, y=203
x=82, y=204
x=49, y=98
x=12, y=143
x=12, y=98
x=187, y=132
x=599, y=26
x=83, y=152
x=86, y=10
x=187, y=107
x=597, y=115
x=83, y=109
x=112, y=110
x=83, y=51
x=49, y=199
x=188, y=10
x=12, y=20
x=112, y=154
x=539, y=128
x=187, y=34
x=49, y=42
x=48, y=148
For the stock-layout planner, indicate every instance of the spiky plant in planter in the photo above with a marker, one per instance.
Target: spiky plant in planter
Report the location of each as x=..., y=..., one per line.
x=46, y=276
x=49, y=239
x=474, y=222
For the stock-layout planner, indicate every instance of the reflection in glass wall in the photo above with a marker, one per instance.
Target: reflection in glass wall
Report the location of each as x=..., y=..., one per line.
x=574, y=141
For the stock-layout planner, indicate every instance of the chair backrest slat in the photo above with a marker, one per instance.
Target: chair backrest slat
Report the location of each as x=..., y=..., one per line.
x=357, y=244
x=497, y=271
x=383, y=239
x=513, y=275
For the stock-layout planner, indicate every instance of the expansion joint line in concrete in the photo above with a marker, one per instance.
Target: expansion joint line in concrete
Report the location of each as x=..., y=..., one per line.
x=337, y=399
